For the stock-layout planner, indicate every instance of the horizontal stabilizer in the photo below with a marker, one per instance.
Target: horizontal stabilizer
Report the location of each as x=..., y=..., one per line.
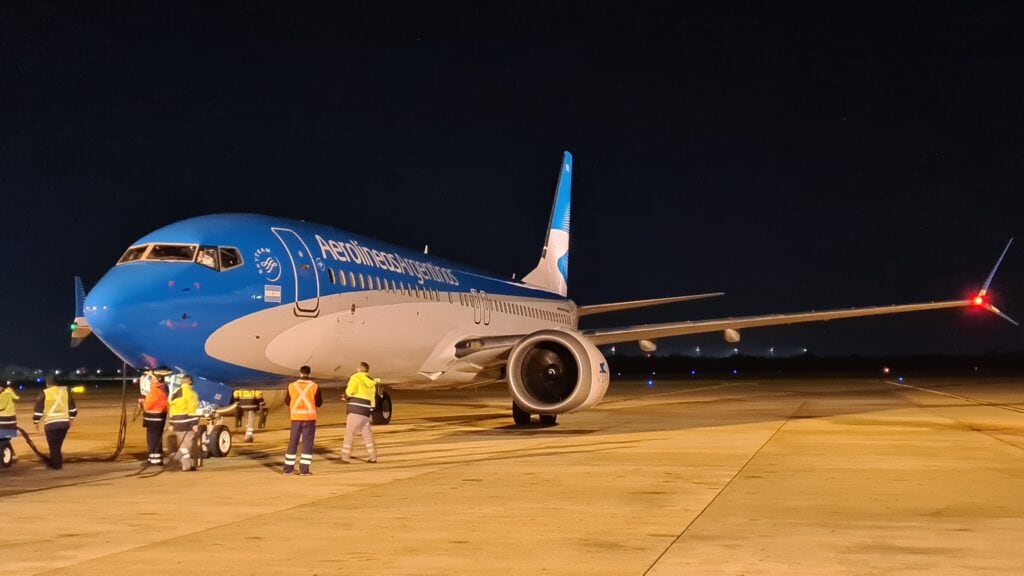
x=616, y=306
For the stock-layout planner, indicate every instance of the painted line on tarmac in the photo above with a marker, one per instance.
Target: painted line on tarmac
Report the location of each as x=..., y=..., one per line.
x=1008, y=407
x=724, y=488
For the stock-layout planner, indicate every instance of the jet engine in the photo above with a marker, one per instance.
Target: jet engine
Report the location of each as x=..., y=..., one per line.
x=556, y=371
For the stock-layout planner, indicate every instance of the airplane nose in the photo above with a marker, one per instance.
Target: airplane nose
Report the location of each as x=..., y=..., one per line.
x=108, y=310
x=121, y=310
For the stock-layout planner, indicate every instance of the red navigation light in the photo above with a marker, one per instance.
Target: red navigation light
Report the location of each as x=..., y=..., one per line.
x=978, y=300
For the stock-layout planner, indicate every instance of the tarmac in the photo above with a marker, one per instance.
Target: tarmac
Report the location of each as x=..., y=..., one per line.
x=730, y=476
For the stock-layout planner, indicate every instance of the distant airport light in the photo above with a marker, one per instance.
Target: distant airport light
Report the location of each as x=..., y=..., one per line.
x=885, y=370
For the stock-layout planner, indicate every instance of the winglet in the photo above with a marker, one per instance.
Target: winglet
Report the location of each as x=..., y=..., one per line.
x=552, y=271
x=981, y=299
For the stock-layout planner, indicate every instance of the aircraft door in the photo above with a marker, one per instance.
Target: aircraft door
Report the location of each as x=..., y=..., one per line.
x=474, y=299
x=485, y=308
x=307, y=281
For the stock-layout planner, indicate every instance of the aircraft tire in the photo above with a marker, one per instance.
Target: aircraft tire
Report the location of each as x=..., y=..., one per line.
x=6, y=455
x=382, y=413
x=519, y=416
x=219, y=441
x=548, y=419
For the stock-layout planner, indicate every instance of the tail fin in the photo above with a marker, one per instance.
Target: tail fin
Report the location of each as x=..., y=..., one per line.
x=552, y=271
x=80, y=328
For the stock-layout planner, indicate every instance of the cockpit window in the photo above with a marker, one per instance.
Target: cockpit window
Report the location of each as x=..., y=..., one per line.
x=207, y=257
x=172, y=252
x=229, y=258
x=133, y=254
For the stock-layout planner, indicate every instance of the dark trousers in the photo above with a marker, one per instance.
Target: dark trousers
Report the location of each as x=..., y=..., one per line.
x=306, y=431
x=155, y=441
x=55, y=434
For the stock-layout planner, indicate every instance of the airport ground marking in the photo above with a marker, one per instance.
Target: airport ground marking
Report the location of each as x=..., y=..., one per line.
x=724, y=488
x=974, y=401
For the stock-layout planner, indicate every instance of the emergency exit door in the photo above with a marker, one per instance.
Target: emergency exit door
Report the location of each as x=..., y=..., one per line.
x=307, y=282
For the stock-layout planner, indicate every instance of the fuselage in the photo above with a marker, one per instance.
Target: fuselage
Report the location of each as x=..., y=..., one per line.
x=246, y=299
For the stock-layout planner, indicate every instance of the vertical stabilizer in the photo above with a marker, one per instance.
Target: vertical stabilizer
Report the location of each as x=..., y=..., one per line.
x=552, y=271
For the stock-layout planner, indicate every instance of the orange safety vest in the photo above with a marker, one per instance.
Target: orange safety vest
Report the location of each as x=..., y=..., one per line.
x=302, y=394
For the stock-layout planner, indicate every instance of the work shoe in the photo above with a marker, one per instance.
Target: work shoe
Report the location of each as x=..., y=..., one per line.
x=248, y=439
x=344, y=461
x=287, y=472
x=305, y=473
x=372, y=461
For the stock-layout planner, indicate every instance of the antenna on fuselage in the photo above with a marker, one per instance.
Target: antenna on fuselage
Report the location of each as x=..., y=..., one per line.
x=426, y=248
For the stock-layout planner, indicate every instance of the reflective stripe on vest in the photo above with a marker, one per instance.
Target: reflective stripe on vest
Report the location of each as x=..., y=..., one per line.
x=303, y=400
x=55, y=408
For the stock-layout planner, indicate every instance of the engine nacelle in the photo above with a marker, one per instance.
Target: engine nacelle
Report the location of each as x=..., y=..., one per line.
x=556, y=371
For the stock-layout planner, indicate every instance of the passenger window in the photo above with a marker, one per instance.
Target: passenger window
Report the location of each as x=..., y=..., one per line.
x=330, y=275
x=341, y=277
x=132, y=254
x=229, y=258
x=362, y=282
x=352, y=277
x=377, y=281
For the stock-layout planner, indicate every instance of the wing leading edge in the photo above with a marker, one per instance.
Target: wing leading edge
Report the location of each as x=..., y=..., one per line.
x=653, y=331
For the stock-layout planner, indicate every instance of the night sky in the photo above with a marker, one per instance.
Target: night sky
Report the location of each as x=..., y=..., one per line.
x=795, y=157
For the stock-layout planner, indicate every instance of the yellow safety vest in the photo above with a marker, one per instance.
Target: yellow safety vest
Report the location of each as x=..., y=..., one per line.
x=55, y=407
x=360, y=385
x=7, y=398
x=185, y=403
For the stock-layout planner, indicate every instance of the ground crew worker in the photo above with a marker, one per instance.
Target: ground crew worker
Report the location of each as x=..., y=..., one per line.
x=250, y=402
x=56, y=408
x=303, y=398
x=184, y=420
x=361, y=394
x=154, y=419
x=8, y=419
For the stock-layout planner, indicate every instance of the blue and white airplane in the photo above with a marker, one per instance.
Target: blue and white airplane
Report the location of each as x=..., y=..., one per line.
x=243, y=300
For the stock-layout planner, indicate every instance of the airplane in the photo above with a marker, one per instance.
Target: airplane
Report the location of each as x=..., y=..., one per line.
x=244, y=300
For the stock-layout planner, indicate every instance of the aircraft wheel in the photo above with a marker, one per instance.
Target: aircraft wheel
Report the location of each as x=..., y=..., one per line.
x=7, y=456
x=219, y=441
x=519, y=416
x=382, y=414
x=549, y=419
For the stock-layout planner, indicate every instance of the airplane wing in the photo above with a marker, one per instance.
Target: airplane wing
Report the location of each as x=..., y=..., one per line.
x=731, y=326
x=652, y=331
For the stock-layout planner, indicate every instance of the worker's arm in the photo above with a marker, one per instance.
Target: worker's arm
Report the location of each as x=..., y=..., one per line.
x=319, y=397
x=37, y=412
x=72, y=409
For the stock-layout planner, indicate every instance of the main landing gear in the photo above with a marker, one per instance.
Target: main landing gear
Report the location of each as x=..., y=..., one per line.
x=382, y=412
x=522, y=418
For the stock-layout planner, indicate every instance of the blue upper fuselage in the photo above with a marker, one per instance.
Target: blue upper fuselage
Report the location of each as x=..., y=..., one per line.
x=176, y=286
